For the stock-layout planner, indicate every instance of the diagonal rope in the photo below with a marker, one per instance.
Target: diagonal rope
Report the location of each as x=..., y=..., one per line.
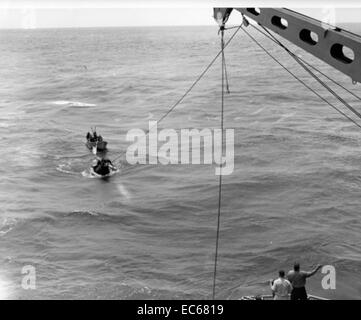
x=301, y=81
x=295, y=57
x=193, y=84
x=272, y=38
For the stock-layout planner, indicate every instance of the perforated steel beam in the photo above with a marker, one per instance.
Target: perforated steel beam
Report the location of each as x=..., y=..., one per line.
x=338, y=48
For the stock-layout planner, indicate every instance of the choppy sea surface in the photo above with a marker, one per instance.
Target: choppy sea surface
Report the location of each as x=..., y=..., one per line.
x=149, y=231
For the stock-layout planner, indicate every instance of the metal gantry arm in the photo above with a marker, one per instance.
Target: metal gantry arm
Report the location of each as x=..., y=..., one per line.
x=336, y=47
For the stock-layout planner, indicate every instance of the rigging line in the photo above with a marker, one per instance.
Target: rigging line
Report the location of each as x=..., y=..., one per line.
x=309, y=64
x=358, y=114
x=301, y=81
x=200, y=76
x=229, y=28
x=225, y=72
x=193, y=84
x=220, y=175
x=329, y=78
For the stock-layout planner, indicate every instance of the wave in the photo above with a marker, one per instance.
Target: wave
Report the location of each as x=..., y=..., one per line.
x=125, y=218
x=66, y=168
x=6, y=225
x=72, y=103
x=86, y=213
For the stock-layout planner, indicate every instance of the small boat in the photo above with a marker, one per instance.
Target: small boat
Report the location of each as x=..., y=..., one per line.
x=103, y=168
x=100, y=145
x=95, y=142
x=103, y=176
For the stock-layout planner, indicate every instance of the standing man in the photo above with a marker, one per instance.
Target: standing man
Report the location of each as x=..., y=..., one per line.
x=281, y=288
x=298, y=281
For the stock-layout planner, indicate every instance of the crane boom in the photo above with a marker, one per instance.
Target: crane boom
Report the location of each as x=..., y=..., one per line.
x=336, y=47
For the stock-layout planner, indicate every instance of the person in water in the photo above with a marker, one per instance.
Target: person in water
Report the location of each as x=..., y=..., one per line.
x=103, y=166
x=298, y=278
x=281, y=287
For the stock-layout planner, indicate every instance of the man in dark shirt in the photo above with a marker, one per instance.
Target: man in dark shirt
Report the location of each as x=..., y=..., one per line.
x=298, y=278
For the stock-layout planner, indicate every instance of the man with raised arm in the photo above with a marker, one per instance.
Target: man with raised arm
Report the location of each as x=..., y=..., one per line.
x=298, y=278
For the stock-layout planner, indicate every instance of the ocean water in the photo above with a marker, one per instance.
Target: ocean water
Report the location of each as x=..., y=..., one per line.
x=149, y=231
